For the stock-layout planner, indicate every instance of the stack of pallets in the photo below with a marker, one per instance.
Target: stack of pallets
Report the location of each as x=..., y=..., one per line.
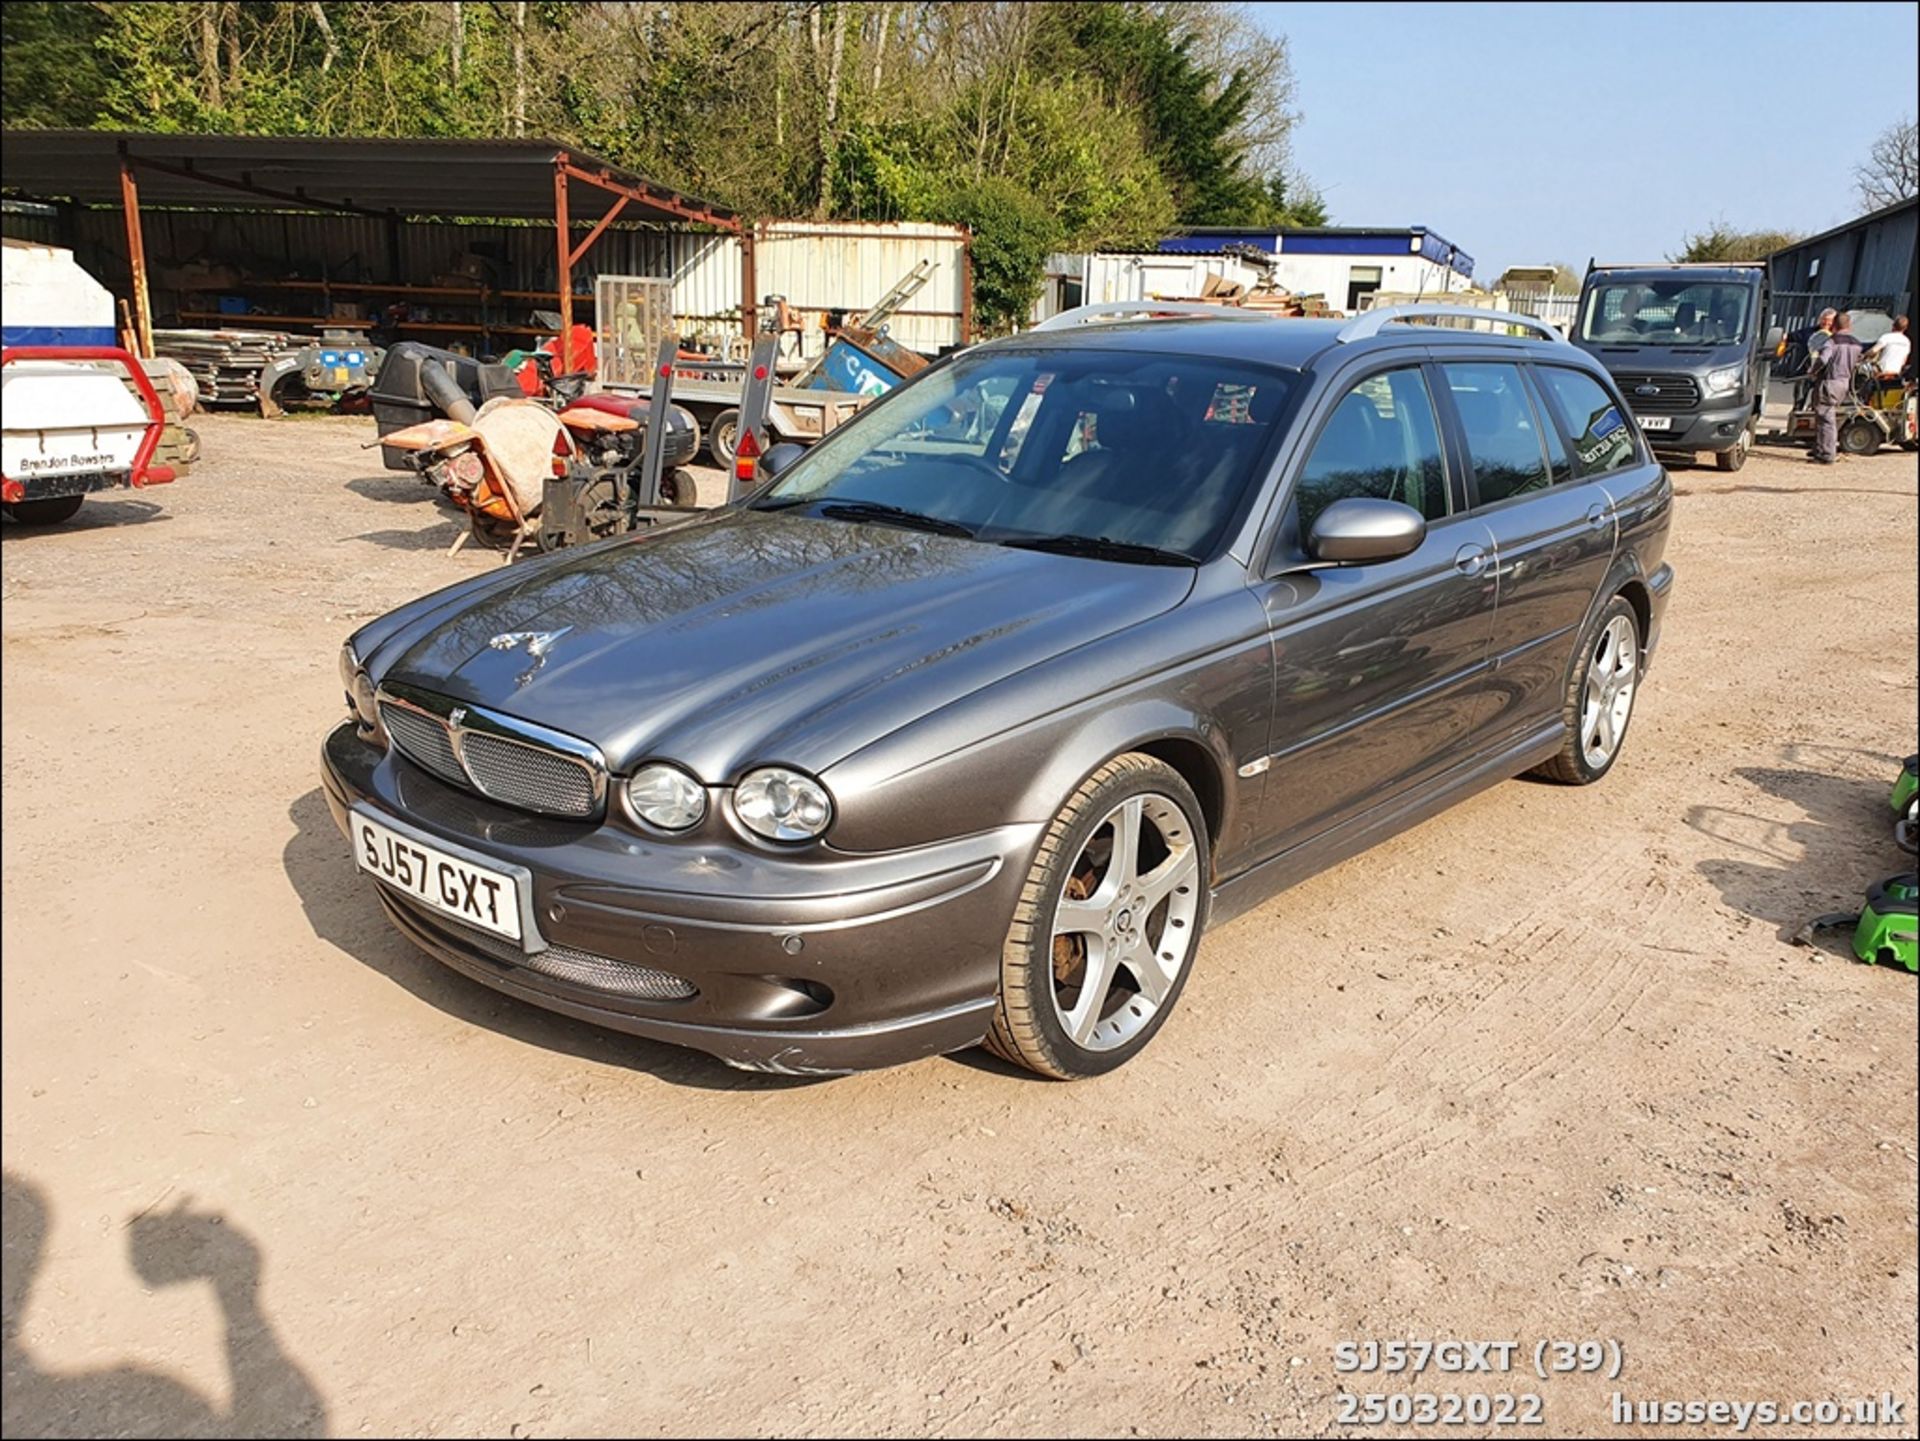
x=226, y=363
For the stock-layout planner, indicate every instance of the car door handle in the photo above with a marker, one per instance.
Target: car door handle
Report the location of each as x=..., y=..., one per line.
x=1470, y=559
x=1598, y=516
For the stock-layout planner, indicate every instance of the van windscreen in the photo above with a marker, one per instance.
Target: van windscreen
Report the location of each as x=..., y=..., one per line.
x=1666, y=312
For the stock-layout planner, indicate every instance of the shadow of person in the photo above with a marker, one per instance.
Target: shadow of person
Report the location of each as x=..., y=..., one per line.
x=1784, y=872
x=271, y=1395
x=343, y=910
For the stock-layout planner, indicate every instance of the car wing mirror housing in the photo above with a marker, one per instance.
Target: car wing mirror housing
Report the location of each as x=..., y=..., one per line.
x=1776, y=337
x=1364, y=531
x=780, y=458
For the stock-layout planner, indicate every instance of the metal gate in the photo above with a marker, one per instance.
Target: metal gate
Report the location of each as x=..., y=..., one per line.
x=632, y=315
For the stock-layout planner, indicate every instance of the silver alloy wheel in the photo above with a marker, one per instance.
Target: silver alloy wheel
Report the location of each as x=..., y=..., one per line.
x=1123, y=926
x=1607, y=698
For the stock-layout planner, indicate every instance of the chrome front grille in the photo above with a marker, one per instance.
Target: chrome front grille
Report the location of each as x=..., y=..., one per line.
x=424, y=741
x=581, y=968
x=524, y=776
x=1663, y=394
x=511, y=761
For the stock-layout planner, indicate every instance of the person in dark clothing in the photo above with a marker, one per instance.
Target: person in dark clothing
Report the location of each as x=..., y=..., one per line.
x=1832, y=376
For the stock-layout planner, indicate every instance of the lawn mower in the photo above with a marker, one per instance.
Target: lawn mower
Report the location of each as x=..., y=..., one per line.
x=1879, y=412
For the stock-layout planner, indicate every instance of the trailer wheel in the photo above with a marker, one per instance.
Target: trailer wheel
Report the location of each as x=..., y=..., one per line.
x=723, y=436
x=1860, y=436
x=44, y=512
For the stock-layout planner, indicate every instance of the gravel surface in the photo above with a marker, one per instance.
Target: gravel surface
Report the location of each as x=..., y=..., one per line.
x=1543, y=1067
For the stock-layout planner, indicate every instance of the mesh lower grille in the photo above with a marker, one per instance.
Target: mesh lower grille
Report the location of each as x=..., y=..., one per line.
x=424, y=741
x=523, y=776
x=583, y=968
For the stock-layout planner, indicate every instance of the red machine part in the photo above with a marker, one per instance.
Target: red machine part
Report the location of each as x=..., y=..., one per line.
x=142, y=472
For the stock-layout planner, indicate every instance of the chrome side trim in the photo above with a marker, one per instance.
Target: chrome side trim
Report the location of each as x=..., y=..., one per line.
x=459, y=717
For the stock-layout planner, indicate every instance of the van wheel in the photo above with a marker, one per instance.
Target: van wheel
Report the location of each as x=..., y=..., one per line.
x=45, y=512
x=1737, y=457
x=1105, y=930
x=1599, y=700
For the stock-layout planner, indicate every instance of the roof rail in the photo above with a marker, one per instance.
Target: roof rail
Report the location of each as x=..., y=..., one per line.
x=1677, y=265
x=1374, y=321
x=1080, y=314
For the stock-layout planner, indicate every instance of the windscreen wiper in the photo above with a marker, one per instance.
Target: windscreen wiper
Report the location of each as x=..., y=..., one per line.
x=1099, y=547
x=880, y=513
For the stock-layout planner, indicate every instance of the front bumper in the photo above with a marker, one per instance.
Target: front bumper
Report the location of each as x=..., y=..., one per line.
x=813, y=962
x=57, y=487
x=1717, y=427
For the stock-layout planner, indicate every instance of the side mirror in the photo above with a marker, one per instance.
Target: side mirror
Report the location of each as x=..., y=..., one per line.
x=780, y=458
x=1776, y=337
x=1361, y=531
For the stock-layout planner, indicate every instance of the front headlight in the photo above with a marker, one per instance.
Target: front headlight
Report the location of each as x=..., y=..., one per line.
x=359, y=689
x=668, y=798
x=782, y=805
x=1724, y=382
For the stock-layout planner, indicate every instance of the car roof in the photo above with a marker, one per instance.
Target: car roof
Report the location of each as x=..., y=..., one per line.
x=1292, y=342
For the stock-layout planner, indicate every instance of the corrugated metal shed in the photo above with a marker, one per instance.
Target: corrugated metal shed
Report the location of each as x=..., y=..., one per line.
x=1875, y=255
x=408, y=176
x=817, y=266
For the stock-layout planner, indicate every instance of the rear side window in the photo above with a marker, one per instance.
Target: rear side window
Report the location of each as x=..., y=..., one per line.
x=1602, y=440
x=1380, y=442
x=1501, y=429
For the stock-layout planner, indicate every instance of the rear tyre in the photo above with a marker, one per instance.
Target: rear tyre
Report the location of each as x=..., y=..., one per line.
x=723, y=437
x=45, y=512
x=1599, y=700
x=1107, y=924
x=1737, y=457
x=1860, y=436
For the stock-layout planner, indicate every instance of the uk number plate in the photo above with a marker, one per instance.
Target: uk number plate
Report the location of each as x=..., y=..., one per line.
x=1656, y=422
x=478, y=895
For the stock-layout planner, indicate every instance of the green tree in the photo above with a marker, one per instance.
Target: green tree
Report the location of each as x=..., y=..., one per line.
x=1013, y=233
x=1721, y=242
x=54, y=71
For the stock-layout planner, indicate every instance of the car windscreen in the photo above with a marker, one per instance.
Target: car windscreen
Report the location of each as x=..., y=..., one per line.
x=1666, y=312
x=1149, y=451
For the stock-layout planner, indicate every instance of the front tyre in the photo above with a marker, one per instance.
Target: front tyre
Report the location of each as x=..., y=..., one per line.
x=1736, y=457
x=1599, y=701
x=1107, y=924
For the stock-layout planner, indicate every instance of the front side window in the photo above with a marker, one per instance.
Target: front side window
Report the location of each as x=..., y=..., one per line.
x=1666, y=312
x=1381, y=442
x=1022, y=445
x=1602, y=440
x=1501, y=429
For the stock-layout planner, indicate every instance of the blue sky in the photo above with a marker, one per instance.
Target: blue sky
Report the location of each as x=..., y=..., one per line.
x=1542, y=132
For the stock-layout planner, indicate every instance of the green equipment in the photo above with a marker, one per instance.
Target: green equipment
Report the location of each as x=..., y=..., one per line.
x=1906, y=805
x=1888, y=932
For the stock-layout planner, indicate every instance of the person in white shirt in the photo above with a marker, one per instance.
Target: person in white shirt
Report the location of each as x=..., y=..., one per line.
x=1888, y=355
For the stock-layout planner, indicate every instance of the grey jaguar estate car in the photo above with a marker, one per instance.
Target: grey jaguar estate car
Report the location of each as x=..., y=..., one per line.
x=966, y=725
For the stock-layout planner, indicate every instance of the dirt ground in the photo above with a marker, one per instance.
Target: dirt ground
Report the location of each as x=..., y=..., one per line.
x=1544, y=1067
